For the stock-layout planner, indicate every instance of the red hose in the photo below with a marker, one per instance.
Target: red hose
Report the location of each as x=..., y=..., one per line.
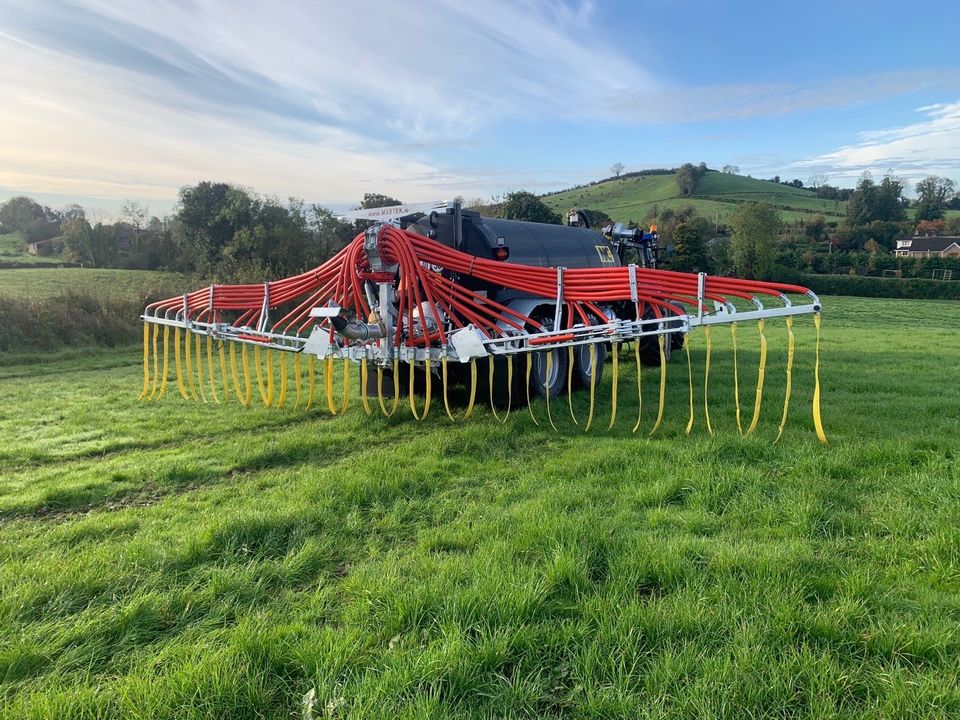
x=420, y=289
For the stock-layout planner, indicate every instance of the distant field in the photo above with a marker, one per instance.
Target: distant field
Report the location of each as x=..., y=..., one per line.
x=40, y=283
x=13, y=250
x=185, y=560
x=716, y=197
x=912, y=213
x=12, y=244
x=720, y=186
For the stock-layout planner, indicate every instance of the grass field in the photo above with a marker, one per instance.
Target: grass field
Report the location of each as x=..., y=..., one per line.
x=13, y=249
x=716, y=197
x=41, y=283
x=181, y=560
x=12, y=244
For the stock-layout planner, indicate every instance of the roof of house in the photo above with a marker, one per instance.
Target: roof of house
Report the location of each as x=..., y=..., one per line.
x=931, y=243
x=38, y=243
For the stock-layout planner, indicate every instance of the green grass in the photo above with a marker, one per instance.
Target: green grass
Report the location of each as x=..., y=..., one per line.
x=716, y=196
x=41, y=283
x=948, y=214
x=181, y=560
x=13, y=250
x=12, y=244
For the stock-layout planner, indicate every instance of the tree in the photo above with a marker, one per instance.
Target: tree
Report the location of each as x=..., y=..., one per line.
x=686, y=233
x=934, y=193
x=617, y=168
x=719, y=256
x=598, y=218
x=135, y=213
x=17, y=213
x=155, y=246
x=73, y=213
x=227, y=230
x=817, y=181
x=689, y=242
x=523, y=205
x=373, y=200
x=952, y=226
x=92, y=245
x=275, y=240
x=376, y=200
x=816, y=229
x=891, y=205
x=871, y=202
x=686, y=179
x=476, y=203
x=203, y=226
x=332, y=233
x=731, y=169
x=829, y=192
x=27, y=216
x=862, y=202
x=753, y=244
x=74, y=217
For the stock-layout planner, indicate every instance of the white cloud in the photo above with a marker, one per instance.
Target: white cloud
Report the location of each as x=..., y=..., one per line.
x=321, y=100
x=326, y=100
x=912, y=151
x=428, y=70
x=80, y=132
x=747, y=100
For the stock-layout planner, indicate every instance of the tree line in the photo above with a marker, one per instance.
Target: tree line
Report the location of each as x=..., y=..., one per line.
x=218, y=230
x=227, y=232
x=755, y=242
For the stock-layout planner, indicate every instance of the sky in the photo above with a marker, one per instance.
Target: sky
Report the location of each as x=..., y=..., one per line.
x=103, y=101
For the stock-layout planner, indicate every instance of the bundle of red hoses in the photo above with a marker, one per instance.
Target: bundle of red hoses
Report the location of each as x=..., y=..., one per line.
x=429, y=281
x=340, y=280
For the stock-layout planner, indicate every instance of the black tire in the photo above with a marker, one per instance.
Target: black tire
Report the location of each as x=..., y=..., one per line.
x=582, y=369
x=540, y=384
x=650, y=350
x=677, y=340
x=650, y=345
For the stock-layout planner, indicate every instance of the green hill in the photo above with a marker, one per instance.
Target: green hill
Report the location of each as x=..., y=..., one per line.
x=716, y=196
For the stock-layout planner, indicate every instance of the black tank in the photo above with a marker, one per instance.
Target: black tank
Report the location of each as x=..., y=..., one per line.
x=529, y=243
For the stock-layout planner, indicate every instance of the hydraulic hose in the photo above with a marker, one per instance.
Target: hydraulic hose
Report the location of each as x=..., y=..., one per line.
x=786, y=395
x=706, y=378
x=760, y=378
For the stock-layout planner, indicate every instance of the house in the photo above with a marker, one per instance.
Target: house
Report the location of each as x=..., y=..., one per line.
x=929, y=246
x=50, y=246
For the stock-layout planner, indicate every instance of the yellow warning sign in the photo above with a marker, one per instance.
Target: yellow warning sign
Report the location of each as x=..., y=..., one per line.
x=606, y=254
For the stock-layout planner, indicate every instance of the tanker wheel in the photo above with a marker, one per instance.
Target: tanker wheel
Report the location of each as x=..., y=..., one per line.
x=540, y=382
x=650, y=349
x=583, y=369
x=650, y=346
